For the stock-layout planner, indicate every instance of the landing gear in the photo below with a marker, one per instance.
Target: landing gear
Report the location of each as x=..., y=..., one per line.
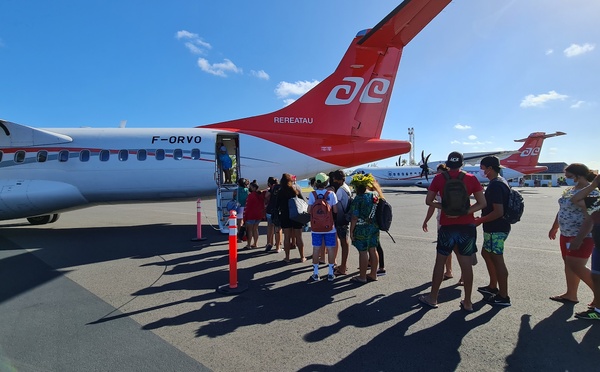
x=42, y=220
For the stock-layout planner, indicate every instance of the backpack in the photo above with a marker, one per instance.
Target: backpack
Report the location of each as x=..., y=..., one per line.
x=298, y=210
x=321, y=216
x=383, y=216
x=455, y=197
x=513, y=210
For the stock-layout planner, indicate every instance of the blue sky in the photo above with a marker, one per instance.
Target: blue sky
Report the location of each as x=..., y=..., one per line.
x=482, y=74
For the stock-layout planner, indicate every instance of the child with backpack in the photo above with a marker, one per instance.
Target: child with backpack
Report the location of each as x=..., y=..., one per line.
x=321, y=206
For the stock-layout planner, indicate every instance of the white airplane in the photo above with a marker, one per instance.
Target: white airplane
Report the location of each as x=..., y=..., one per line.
x=521, y=162
x=335, y=125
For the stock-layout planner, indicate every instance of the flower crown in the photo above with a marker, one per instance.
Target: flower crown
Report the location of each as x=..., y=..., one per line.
x=365, y=180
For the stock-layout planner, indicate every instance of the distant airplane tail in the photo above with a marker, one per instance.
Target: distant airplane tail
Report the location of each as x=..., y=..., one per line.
x=526, y=160
x=340, y=120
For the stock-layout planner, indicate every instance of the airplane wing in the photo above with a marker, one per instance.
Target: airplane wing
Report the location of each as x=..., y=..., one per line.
x=408, y=19
x=17, y=135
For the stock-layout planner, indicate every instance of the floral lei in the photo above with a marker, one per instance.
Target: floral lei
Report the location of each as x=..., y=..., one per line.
x=365, y=180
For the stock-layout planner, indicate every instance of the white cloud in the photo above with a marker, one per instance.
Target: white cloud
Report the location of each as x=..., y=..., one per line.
x=461, y=127
x=218, y=69
x=289, y=101
x=540, y=99
x=576, y=49
x=578, y=104
x=454, y=142
x=194, y=43
x=472, y=137
x=285, y=89
x=260, y=74
x=549, y=51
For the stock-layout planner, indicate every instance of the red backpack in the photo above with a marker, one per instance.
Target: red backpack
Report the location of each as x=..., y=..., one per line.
x=321, y=216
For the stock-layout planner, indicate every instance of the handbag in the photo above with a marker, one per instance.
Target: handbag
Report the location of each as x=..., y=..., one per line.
x=298, y=210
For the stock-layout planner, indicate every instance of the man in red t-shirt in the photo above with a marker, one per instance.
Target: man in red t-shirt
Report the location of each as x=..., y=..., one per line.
x=457, y=233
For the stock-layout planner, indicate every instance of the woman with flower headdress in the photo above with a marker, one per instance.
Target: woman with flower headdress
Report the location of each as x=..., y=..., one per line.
x=569, y=220
x=364, y=231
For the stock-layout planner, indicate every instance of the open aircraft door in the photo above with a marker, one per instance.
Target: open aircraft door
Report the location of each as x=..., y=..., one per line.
x=225, y=190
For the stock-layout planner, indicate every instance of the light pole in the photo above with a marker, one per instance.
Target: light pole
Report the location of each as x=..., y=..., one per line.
x=411, y=139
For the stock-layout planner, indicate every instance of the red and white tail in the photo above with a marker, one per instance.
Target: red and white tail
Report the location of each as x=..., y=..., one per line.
x=526, y=160
x=340, y=120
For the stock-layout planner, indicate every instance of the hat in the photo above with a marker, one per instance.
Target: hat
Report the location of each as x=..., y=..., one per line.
x=321, y=178
x=223, y=148
x=491, y=161
x=455, y=160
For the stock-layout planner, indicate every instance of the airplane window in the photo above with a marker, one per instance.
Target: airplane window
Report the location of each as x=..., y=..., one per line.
x=42, y=156
x=195, y=154
x=178, y=154
x=19, y=156
x=63, y=155
x=84, y=155
x=160, y=154
x=142, y=154
x=104, y=155
x=123, y=155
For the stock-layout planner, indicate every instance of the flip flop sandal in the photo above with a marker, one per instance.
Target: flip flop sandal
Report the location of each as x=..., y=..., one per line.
x=425, y=302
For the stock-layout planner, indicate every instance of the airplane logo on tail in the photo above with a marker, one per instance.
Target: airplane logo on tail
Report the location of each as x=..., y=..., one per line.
x=372, y=93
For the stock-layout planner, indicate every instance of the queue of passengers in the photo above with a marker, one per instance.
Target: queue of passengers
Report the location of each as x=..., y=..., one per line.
x=578, y=220
x=285, y=232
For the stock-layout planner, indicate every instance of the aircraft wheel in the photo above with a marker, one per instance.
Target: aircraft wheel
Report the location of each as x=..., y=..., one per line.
x=40, y=220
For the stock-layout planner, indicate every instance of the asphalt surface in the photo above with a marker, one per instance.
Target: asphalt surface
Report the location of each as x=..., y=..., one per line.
x=123, y=288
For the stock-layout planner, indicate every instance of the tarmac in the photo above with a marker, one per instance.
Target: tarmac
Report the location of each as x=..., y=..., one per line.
x=124, y=288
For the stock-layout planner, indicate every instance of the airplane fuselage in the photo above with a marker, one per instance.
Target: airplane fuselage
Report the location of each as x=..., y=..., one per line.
x=113, y=165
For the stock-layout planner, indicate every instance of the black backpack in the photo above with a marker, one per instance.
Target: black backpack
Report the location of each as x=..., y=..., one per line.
x=513, y=210
x=383, y=216
x=455, y=197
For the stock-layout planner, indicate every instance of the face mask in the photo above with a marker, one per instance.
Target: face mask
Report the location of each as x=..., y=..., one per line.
x=482, y=173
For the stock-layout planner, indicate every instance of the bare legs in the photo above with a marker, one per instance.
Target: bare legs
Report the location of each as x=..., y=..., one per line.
x=364, y=258
x=576, y=271
x=497, y=271
x=289, y=235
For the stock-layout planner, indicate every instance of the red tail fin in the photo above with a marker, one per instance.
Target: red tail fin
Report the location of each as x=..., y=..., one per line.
x=352, y=102
x=526, y=160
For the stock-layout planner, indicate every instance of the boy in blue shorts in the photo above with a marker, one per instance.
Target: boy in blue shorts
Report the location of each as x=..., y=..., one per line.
x=321, y=206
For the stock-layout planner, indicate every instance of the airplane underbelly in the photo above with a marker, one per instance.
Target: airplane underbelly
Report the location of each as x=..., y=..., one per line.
x=25, y=198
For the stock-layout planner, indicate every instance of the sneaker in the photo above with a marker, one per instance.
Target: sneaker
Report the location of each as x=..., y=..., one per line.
x=498, y=300
x=590, y=314
x=268, y=247
x=380, y=272
x=314, y=278
x=487, y=290
x=330, y=277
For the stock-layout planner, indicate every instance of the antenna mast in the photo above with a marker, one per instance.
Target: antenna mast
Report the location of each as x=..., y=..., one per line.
x=411, y=139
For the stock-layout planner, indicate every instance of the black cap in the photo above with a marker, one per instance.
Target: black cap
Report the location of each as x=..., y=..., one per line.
x=455, y=160
x=491, y=161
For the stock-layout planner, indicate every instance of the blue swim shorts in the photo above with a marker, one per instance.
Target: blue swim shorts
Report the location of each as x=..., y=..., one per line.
x=463, y=237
